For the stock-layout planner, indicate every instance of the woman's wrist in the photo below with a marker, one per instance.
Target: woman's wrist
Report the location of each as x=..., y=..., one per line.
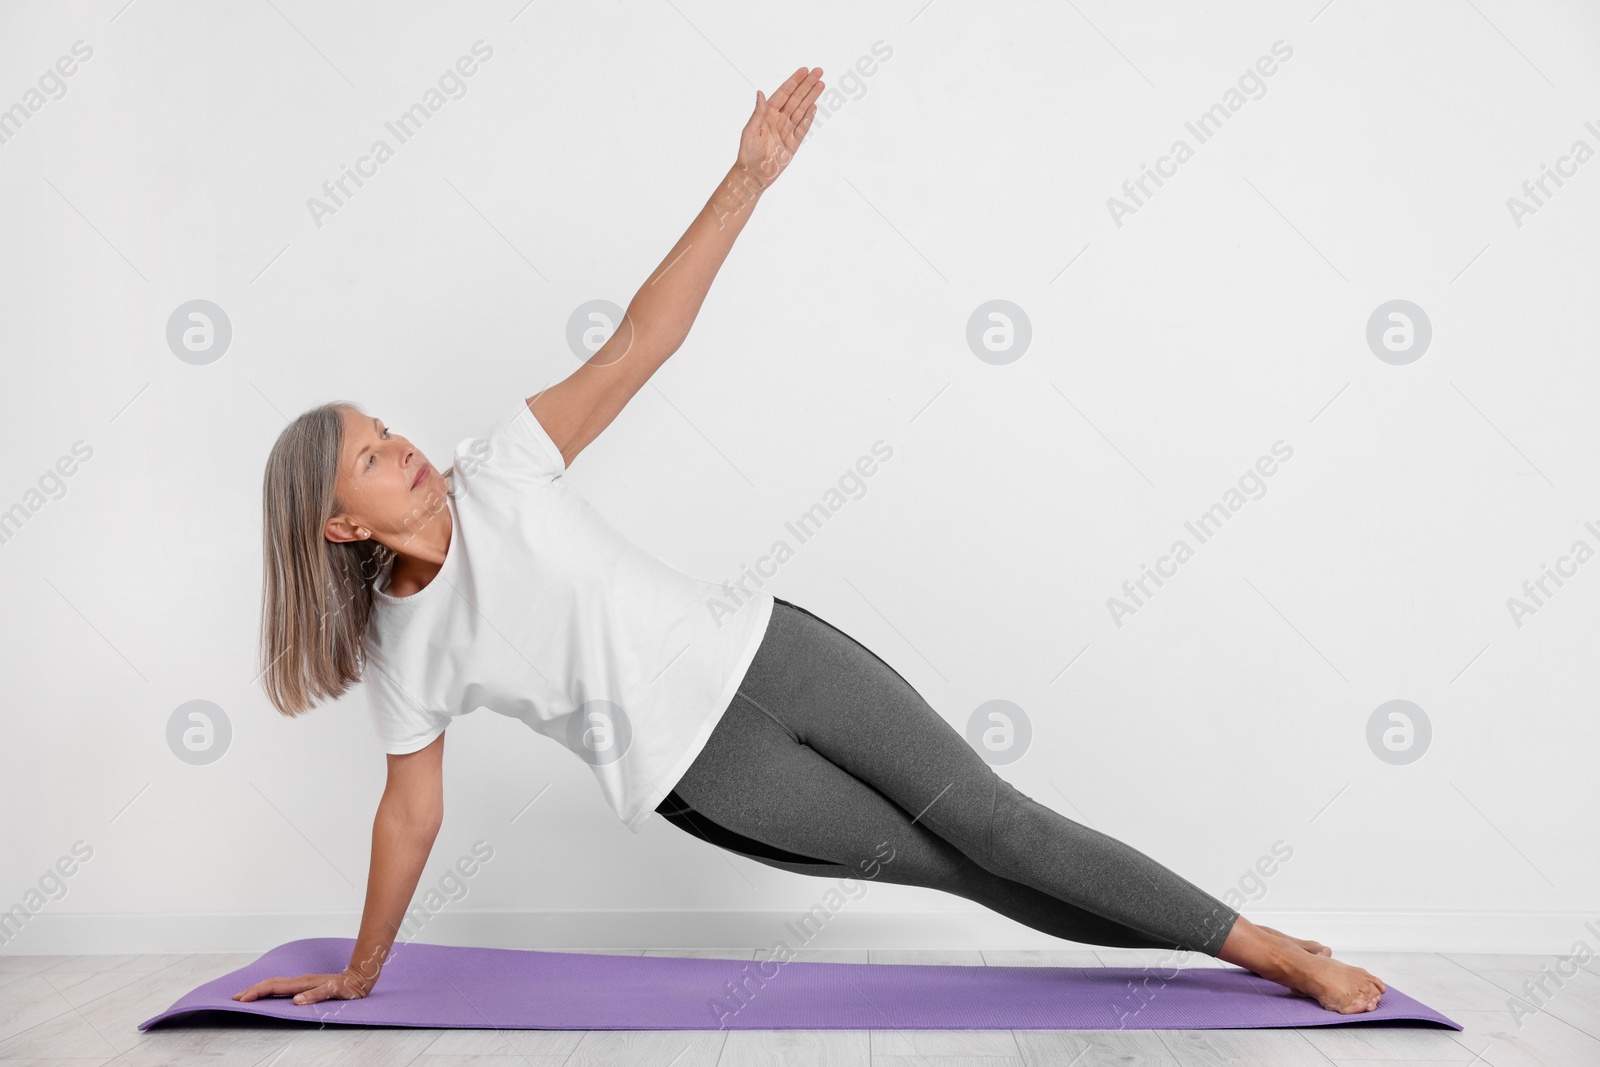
x=738, y=193
x=362, y=981
x=364, y=968
x=761, y=173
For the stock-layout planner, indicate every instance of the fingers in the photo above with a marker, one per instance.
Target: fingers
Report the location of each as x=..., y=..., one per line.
x=794, y=95
x=804, y=96
x=803, y=100
x=271, y=987
x=779, y=97
x=805, y=124
x=797, y=132
x=800, y=106
x=315, y=994
x=308, y=989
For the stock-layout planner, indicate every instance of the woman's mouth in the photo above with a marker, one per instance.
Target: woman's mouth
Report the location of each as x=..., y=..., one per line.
x=422, y=472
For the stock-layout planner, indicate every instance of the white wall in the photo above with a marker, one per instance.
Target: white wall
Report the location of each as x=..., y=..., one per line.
x=1168, y=353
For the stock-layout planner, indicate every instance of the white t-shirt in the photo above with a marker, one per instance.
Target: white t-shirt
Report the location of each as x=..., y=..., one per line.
x=543, y=612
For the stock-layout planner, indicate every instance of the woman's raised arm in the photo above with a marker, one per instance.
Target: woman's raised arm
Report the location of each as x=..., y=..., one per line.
x=577, y=408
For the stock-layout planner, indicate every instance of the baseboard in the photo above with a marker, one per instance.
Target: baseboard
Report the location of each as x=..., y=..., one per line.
x=847, y=927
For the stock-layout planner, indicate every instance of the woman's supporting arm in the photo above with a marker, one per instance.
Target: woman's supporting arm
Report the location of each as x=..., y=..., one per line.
x=403, y=832
x=575, y=410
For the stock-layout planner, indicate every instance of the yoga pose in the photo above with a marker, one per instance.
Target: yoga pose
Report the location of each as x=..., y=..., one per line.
x=738, y=716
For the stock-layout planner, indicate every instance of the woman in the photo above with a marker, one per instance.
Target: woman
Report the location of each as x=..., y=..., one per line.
x=740, y=717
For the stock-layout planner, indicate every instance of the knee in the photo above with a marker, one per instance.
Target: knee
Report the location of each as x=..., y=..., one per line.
x=1018, y=822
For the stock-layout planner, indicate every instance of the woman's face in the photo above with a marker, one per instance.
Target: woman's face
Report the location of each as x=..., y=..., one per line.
x=388, y=487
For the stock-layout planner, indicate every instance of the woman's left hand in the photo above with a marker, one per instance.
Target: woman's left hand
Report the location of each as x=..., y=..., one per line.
x=778, y=125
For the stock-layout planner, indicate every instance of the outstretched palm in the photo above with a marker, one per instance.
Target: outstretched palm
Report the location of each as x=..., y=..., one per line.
x=778, y=125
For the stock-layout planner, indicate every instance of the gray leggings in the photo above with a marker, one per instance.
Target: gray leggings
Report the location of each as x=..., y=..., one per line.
x=828, y=763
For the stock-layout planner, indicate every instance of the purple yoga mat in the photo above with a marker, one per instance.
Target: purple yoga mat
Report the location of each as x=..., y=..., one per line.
x=483, y=988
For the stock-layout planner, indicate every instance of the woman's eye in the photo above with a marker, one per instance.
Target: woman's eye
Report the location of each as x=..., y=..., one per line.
x=373, y=459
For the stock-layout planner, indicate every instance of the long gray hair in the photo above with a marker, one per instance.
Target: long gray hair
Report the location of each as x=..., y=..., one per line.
x=316, y=594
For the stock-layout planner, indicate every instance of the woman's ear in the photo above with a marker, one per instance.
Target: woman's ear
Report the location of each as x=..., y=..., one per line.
x=336, y=527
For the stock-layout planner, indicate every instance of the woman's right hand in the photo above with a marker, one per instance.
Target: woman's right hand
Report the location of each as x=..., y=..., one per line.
x=778, y=125
x=310, y=988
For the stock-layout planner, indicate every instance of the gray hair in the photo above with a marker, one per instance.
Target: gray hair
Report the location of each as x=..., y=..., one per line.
x=316, y=594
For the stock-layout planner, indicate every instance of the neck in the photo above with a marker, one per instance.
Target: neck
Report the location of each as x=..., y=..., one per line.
x=419, y=561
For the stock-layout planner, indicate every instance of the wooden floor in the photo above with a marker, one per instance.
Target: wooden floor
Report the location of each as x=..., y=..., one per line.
x=83, y=1010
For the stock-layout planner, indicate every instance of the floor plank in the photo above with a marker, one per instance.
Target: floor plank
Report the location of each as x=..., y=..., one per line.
x=1540, y=1040
x=335, y=1046
x=1436, y=981
x=940, y=957
x=1228, y=1048
x=15, y=967
x=825, y=955
x=1392, y=1045
x=531, y=1044
x=1574, y=1003
x=948, y=1061
x=648, y=1048
x=33, y=1006
x=1090, y=1048
x=1035, y=957
x=796, y=1048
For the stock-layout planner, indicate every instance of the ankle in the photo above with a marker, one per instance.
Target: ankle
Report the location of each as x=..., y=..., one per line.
x=1252, y=947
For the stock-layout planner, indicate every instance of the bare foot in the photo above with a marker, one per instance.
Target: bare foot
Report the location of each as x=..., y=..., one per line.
x=1334, y=984
x=1316, y=948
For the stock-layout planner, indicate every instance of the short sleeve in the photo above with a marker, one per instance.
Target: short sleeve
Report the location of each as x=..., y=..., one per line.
x=402, y=725
x=516, y=446
x=533, y=445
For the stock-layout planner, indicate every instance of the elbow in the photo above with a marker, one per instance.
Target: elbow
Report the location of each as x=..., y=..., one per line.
x=658, y=339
